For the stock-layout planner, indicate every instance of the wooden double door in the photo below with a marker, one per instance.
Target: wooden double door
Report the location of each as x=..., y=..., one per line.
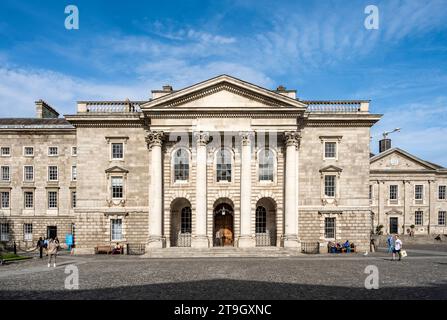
x=223, y=226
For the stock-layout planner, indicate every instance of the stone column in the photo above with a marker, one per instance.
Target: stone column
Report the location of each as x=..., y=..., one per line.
x=154, y=141
x=292, y=139
x=200, y=240
x=246, y=239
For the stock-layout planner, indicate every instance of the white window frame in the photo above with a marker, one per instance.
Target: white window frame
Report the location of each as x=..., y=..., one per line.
x=73, y=199
x=396, y=200
x=112, y=229
x=111, y=151
x=421, y=193
x=441, y=213
x=28, y=232
x=74, y=173
x=112, y=186
x=2, y=193
x=215, y=166
x=28, y=155
x=57, y=172
x=416, y=214
x=445, y=192
x=24, y=173
x=25, y=200
x=9, y=174
x=48, y=200
x=53, y=155
x=335, y=157
x=74, y=151
x=5, y=232
x=275, y=164
x=3, y=149
x=335, y=185
x=173, y=158
x=334, y=227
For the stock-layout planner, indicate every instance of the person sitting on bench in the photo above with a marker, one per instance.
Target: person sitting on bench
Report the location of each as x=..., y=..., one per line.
x=118, y=249
x=347, y=246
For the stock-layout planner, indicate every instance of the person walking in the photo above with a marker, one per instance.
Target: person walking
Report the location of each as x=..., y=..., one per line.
x=397, y=248
x=40, y=247
x=52, y=252
x=45, y=245
x=390, y=243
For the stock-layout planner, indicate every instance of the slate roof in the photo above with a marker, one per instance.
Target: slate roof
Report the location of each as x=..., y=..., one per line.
x=34, y=123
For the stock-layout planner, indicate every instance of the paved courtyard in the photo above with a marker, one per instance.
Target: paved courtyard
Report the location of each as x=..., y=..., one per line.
x=422, y=275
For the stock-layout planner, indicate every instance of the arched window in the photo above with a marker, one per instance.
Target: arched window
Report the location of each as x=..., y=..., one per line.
x=181, y=165
x=186, y=220
x=223, y=165
x=261, y=220
x=266, y=165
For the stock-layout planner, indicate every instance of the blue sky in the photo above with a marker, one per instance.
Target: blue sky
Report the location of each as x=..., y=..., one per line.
x=321, y=48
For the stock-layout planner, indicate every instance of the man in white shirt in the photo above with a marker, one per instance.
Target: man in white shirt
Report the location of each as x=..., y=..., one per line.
x=397, y=247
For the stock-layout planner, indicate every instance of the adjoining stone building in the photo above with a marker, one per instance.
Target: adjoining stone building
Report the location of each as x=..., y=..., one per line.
x=220, y=163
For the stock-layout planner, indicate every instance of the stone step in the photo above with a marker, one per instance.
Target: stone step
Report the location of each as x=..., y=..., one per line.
x=221, y=252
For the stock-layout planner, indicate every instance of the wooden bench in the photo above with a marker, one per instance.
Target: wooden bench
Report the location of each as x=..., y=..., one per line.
x=103, y=249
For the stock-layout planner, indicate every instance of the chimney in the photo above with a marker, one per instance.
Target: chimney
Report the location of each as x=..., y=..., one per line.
x=45, y=111
x=384, y=145
x=167, y=89
x=288, y=93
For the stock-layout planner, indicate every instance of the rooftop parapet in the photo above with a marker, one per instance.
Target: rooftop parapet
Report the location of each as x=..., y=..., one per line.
x=126, y=106
x=338, y=106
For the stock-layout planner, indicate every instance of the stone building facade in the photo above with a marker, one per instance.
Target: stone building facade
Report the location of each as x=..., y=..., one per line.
x=220, y=163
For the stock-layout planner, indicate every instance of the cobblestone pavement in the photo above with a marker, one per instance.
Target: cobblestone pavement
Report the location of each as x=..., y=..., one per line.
x=422, y=275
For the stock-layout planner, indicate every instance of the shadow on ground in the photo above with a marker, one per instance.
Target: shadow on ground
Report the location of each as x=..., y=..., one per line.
x=225, y=289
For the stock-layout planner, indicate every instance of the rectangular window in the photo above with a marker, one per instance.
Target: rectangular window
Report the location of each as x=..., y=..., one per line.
x=419, y=218
x=117, y=187
x=28, y=173
x=370, y=192
x=28, y=151
x=329, y=186
x=53, y=151
x=418, y=192
x=441, y=192
x=5, y=151
x=52, y=173
x=28, y=232
x=29, y=200
x=329, y=228
x=73, y=173
x=116, y=229
x=73, y=199
x=74, y=151
x=441, y=218
x=6, y=174
x=394, y=191
x=117, y=151
x=330, y=150
x=4, y=232
x=52, y=200
x=4, y=201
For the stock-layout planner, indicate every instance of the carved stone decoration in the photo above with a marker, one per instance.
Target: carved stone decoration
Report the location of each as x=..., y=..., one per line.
x=246, y=137
x=292, y=138
x=154, y=138
x=202, y=138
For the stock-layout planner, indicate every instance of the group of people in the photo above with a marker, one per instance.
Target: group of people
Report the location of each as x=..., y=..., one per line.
x=338, y=247
x=394, y=245
x=51, y=246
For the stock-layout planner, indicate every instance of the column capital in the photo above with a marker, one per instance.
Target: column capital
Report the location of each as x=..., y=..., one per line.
x=292, y=138
x=154, y=138
x=246, y=137
x=202, y=138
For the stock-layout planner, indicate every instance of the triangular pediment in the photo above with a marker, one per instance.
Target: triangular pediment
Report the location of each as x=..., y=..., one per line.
x=331, y=168
x=223, y=92
x=117, y=169
x=398, y=159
